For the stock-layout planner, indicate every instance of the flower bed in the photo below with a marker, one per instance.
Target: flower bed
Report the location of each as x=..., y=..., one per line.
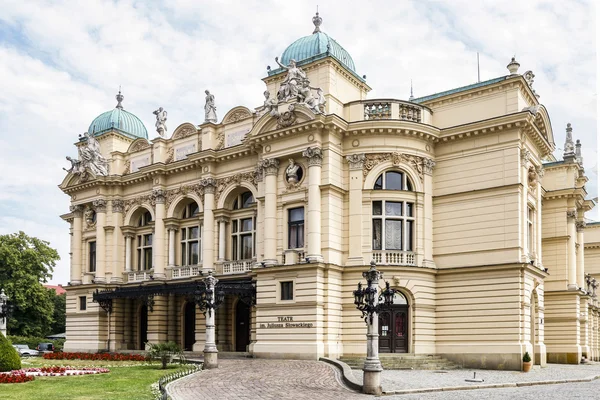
x=18, y=376
x=64, y=371
x=94, y=356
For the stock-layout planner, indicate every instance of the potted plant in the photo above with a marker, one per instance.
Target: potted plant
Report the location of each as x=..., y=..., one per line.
x=527, y=363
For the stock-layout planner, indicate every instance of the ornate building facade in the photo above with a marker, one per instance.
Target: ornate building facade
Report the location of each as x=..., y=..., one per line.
x=287, y=204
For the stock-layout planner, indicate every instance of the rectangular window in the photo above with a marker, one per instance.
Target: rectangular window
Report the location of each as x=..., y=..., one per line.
x=191, y=243
x=393, y=225
x=530, y=217
x=144, y=252
x=296, y=228
x=92, y=262
x=82, y=303
x=287, y=290
x=242, y=239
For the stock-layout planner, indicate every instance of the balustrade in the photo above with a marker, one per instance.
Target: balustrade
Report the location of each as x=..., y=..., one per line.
x=186, y=272
x=410, y=112
x=139, y=276
x=237, y=267
x=384, y=109
x=378, y=110
x=391, y=257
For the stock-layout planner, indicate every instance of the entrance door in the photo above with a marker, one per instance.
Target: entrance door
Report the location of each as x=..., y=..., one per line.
x=143, y=334
x=242, y=326
x=393, y=330
x=189, y=324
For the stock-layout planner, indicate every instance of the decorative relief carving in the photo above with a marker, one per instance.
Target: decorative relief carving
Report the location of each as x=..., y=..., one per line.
x=137, y=201
x=428, y=166
x=314, y=155
x=223, y=183
x=270, y=166
x=220, y=140
x=540, y=171
x=171, y=194
x=170, y=155
x=90, y=217
x=525, y=156
x=158, y=196
x=532, y=177
x=184, y=132
x=127, y=168
x=287, y=118
x=209, y=185
x=397, y=159
x=139, y=146
x=117, y=205
x=356, y=161
x=237, y=116
x=99, y=205
x=571, y=213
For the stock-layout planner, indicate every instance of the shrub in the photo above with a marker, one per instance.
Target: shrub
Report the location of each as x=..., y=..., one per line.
x=33, y=341
x=164, y=352
x=9, y=358
x=526, y=357
x=94, y=356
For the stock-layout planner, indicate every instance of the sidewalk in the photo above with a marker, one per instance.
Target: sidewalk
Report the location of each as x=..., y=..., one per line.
x=417, y=381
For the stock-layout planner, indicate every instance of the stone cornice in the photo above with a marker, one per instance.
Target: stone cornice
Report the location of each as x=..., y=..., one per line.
x=293, y=130
x=393, y=127
x=576, y=193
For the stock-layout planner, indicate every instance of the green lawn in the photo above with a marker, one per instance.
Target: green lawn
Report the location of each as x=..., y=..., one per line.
x=122, y=382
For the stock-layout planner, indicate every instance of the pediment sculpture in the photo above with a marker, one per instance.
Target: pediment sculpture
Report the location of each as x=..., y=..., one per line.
x=91, y=163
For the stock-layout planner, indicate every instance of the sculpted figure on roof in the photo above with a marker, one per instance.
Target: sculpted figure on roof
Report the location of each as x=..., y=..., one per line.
x=292, y=82
x=161, y=120
x=210, y=110
x=90, y=159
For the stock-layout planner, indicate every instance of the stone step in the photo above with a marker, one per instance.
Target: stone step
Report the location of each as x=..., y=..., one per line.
x=405, y=361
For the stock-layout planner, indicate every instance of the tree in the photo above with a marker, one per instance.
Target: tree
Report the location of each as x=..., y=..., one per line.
x=25, y=263
x=59, y=316
x=165, y=352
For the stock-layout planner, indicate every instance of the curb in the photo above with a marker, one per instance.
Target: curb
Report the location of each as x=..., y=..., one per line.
x=347, y=374
x=489, y=386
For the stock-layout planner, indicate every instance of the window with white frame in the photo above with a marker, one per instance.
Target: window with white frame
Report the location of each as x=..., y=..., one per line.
x=393, y=180
x=243, y=223
x=191, y=236
x=393, y=225
x=144, y=243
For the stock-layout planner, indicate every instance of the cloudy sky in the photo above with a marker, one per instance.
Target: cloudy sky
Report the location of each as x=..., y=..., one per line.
x=61, y=63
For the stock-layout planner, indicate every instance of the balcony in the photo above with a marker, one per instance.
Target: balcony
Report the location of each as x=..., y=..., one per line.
x=392, y=257
x=139, y=276
x=185, y=272
x=387, y=109
x=293, y=256
x=237, y=267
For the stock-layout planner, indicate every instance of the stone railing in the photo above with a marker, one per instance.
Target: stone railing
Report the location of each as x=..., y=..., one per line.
x=237, y=267
x=394, y=257
x=293, y=256
x=385, y=109
x=139, y=276
x=186, y=272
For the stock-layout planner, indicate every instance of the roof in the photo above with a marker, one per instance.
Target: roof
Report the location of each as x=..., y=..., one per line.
x=120, y=120
x=459, y=89
x=57, y=288
x=315, y=44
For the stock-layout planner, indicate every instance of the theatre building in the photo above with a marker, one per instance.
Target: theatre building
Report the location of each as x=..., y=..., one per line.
x=286, y=204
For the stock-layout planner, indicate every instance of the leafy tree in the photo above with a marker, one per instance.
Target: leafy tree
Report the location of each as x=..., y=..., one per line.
x=59, y=316
x=9, y=358
x=165, y=352
x=25, y=263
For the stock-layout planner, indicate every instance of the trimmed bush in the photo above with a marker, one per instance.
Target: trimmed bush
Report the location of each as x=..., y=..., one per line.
x=9, y=358
x=526, y=357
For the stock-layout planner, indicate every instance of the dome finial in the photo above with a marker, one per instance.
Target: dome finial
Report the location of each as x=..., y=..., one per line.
x=317, y=21
x=119, y=98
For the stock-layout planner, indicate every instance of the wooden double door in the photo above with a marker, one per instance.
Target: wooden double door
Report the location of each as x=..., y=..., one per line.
x=393, y=330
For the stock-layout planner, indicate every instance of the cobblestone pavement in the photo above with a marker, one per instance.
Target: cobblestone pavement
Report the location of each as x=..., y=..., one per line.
x=568, y=391
x=264, y=379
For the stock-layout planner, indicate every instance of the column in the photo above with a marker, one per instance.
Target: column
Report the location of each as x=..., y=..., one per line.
x=579, y=227
x=222, y=237
x=76, y=266
x=159, y=234
x=171, y=230
x=355, y=219
x=314, y=156
x=571, y=251
x=428, y=165
x=100, y=208
x=270, y=167
x=208, y=232
x=128, y=239
x=210, y=347
x=117, y=207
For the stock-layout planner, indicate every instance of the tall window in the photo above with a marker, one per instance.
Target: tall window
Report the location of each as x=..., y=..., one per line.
x=144, y=244
x=393, y=180
x=530, y=217
x=296, y=228
x=393, y=225
x=243, y=237
x=190, y=245
x=191, y=210
x=92, y=256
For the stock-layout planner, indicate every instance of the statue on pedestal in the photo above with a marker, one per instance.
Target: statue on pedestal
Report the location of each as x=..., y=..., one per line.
x=291, y=172
x=210, y=110
x=270, y=105
x=291, y=84
x=161, y=119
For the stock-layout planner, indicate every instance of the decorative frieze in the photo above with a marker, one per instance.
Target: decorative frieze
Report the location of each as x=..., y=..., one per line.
x=139, y=146
x=356, y=161
x=223, y=183
x=171, y=194
x=397, y=159
x=117, y=205
x=184, y=132
x=99, y=205
x=314, y=155
x=270, y=166
x=237, y=116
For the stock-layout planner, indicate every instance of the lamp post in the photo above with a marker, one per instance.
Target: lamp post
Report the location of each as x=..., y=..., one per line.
x=4, y=311
x=369, y=303
x=208, y=301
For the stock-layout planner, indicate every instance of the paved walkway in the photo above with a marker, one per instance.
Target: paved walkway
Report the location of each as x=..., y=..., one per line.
x=264, y=379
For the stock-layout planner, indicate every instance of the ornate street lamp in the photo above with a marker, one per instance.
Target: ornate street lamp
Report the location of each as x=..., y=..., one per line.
x=208, y=301
x=370, y=304
x=5, y=310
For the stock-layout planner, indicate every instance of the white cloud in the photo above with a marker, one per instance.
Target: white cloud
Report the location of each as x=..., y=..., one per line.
x=62, y=62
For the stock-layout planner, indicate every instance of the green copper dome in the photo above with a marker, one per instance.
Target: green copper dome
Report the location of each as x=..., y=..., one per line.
x=120, y=120
x=319, y=43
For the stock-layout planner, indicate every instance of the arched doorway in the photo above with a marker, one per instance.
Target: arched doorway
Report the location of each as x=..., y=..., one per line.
x=189, y=326
x=393, y=327
x=143, y=332
x=242, y=326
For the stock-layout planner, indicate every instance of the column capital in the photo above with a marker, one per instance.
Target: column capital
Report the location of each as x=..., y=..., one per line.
x=172, y=226
x=270, y=166
x=117, y=205
x=572, y=213
x=158, y=195
x=525, y=156
x=314, y=155
x=222, y=218
x=99, y=205
x=209, y=185
x=580, y=225
x=356, y=161
x=77, y=211
x=258, y=172
x=428, y=166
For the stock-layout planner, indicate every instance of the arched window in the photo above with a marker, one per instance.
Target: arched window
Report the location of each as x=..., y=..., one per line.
x=191, y=236
x=244, y=200
x=145, y=219
x=191, y=210
x=393, y=180
x=243, y=222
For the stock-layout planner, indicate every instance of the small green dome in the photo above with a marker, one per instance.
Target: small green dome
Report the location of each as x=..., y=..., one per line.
x=119, y=120
x=319, y=43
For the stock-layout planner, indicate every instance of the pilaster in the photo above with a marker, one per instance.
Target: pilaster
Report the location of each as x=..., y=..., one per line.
x=314, y=157
x=270, y=168
x=100, y=209
x=355, y=229
x=76, y=261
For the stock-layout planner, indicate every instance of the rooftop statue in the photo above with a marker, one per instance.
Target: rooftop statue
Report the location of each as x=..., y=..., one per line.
x=161, y=119
x=210, y=110
x=90, y=160
x=292, y=82
x=270, y=105
x=306, y=97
